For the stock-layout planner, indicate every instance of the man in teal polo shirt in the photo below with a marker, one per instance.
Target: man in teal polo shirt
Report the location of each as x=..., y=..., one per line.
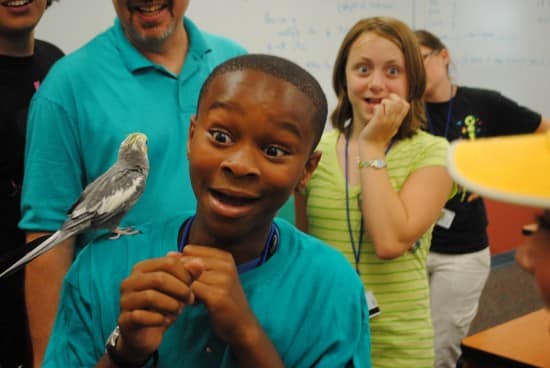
x=143, y=74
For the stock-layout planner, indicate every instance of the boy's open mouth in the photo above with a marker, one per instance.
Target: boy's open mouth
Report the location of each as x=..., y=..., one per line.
x=232, y=199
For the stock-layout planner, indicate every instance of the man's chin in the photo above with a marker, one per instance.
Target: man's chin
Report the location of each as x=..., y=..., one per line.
x=150, y=37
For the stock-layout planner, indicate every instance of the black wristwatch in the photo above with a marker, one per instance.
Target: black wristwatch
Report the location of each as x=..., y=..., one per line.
x=119, y=360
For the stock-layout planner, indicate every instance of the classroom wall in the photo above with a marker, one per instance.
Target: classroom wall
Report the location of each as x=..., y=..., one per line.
x=505, y=223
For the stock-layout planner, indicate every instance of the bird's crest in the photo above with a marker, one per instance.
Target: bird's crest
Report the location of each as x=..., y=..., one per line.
x=133, y=138
x=134, y=141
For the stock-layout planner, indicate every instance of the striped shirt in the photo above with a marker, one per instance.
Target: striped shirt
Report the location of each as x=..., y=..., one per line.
x=402, y=335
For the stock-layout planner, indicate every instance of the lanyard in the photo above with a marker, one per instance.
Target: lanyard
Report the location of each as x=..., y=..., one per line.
x=270, y=243
x=356, y=249
x=449, y=112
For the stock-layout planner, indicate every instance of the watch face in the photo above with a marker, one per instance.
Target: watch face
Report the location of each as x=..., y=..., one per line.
x=114, y=337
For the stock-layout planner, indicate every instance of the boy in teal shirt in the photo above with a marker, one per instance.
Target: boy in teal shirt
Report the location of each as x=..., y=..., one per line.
x=227, y=286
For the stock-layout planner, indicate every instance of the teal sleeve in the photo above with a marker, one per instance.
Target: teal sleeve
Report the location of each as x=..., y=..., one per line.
x=53, y=176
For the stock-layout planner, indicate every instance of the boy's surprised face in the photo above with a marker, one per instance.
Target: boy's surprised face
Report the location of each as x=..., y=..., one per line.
x=249, y=147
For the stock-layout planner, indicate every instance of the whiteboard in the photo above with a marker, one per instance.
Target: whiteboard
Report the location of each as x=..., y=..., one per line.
x=496, y=44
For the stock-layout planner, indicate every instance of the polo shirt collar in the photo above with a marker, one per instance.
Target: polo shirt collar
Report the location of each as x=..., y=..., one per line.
x=134, y=60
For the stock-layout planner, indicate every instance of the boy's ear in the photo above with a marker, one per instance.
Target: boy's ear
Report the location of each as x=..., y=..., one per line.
x=193, y=123
x=310, y=167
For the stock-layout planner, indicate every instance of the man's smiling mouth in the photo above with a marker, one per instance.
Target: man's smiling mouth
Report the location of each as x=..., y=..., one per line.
x=16, y=3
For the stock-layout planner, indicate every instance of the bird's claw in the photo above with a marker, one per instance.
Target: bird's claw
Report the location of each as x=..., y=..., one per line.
x=119, y=231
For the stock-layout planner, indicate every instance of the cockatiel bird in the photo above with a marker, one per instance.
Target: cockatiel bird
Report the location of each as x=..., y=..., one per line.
x=101, y=205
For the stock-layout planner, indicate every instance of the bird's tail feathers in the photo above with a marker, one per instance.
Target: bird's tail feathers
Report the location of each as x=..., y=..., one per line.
x=23, y=255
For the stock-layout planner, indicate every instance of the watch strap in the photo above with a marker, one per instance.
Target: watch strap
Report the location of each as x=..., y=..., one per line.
x=122, y=362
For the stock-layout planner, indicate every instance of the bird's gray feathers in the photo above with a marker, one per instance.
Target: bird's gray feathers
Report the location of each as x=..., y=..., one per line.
x=47, y=244
x=105, y=201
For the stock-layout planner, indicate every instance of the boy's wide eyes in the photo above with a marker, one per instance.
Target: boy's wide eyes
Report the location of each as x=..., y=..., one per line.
x=220, y=136
x=274, y=151
x=223, y=137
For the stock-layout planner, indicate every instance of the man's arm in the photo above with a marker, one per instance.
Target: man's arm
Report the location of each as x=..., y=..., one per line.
x=43, y=280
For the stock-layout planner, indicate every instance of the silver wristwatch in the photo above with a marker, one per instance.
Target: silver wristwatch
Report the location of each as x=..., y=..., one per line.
x=113, y=338
x=119, y=360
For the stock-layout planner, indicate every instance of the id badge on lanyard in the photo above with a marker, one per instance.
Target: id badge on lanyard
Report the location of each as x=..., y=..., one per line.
x=374, y=309
x=446, y=218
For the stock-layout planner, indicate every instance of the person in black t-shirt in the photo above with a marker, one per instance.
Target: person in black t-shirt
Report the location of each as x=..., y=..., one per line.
x=459, y=260
x=490, y=174
x=24, y=63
